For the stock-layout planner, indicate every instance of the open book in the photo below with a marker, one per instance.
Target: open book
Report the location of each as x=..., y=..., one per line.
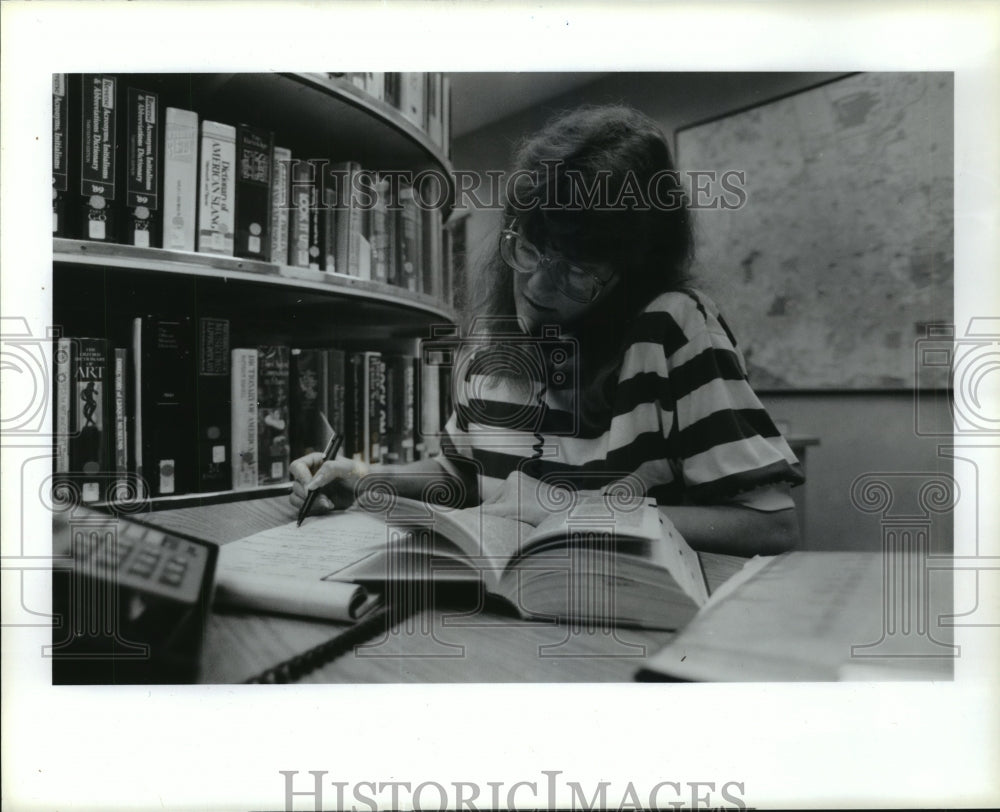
x=601, y=564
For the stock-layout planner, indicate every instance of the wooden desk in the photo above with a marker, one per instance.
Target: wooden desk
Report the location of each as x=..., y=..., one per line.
x=435, y=645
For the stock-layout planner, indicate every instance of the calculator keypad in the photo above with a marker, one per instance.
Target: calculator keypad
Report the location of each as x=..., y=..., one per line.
x=140, y=557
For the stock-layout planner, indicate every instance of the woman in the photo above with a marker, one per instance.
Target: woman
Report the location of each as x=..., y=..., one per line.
x=616, y=371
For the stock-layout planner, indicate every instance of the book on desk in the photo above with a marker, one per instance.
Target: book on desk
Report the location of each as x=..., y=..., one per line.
x=596, y=565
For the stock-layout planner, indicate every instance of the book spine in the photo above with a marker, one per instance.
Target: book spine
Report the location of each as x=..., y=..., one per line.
x=399, y=394
x=217, y=190
x=214, y=431
x=380, y=232
x=121, y=421
x=430, y=252
x=243, y=399
x=409, y=242
x=280, y=196
x=254, y=154
x=411, y=98
x=303, y=200
x=375, y=85
x=63, y=425
x=92, y=391
x=180, y=179
x=306, y=401
x=60, y=156
x=317, y=254
x=430, y=407
x=142, y=169
x=337, y=392
x=338, y=191
x=98, y=156
x=446, y=115
x=375, y=428
x=355, y=420
x=392, y=243
x=272, y=414
x=167, y=412
x=138, y=463
x=419, y=446
x=434, y=125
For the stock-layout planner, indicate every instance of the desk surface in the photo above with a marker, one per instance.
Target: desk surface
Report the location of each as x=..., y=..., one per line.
x=436, y=645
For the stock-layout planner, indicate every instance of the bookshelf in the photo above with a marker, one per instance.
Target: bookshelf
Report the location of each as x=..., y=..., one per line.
x=99, y=287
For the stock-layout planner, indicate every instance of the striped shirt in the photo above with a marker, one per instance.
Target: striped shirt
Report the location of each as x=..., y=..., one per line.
x=683, y=421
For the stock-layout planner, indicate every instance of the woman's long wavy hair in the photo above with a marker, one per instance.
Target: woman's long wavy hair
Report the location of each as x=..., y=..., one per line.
x=610, y=158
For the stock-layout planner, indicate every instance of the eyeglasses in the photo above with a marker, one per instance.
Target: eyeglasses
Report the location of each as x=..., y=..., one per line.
x=577, y=283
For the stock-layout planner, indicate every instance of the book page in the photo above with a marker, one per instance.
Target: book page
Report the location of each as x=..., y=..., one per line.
x=807, y=616
x=292, y=570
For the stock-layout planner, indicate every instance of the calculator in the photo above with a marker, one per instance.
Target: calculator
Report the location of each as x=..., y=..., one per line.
x=131, y=601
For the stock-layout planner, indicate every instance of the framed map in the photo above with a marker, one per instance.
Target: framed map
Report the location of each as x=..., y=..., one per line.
x=840, y=254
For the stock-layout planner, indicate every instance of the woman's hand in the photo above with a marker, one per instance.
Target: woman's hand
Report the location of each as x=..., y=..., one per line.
x=517, y=498
x=336, y=480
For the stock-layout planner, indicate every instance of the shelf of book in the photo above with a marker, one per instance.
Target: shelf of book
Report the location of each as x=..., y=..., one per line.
x=194, y=265
x=133, y=509
x=332, y=117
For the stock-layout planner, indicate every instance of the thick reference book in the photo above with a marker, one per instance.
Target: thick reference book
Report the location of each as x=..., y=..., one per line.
x=180, y=179
x=217, y=189
x=818, y=616
x=272, y=414
x=163, y=380
x=243, y=412
x=91, y=417
x=98, y=156
x=604, y=561
x=281, y=184
x=60, y=156
x=214, y=410
x=142, y=137
x=254, y=153
x=308, y=389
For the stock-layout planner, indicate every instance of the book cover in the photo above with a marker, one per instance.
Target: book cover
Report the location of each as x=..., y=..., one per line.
x=272, y=414
x=254, y=148
x=409, y=240
x=303, y=196
x=180, y=179
x=92, y=390
x=163, y=363
x=243, y=405
x=214, y=434
x=217, y=188
x=98, y=156
x=121, y=438
x=143, y=154
x=60, y=156
x=281, y=181
x=308, y=399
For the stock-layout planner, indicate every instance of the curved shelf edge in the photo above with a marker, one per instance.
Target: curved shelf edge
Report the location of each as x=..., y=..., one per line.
x=347, y=92
x=84, y=252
